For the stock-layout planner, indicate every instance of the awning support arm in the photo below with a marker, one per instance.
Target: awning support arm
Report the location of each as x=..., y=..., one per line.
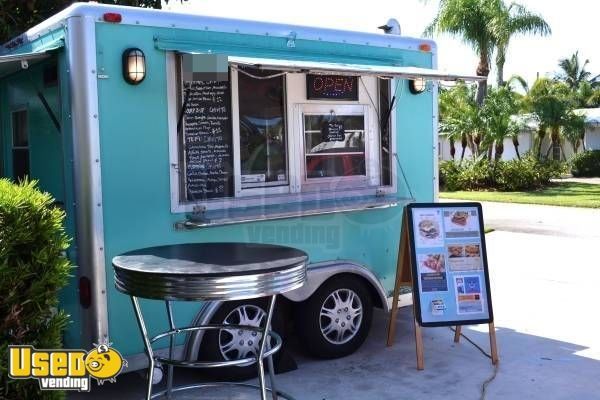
x=49, y=110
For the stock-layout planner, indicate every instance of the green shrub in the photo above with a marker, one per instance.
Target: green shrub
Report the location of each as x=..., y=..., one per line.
x=33, y=269
x=586, y=164
x=525, y=174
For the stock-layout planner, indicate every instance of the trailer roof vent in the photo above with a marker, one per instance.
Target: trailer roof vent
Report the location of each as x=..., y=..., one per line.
x=115, y=18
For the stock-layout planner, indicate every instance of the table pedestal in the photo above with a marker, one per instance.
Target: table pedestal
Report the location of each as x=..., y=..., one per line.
x=265, y=351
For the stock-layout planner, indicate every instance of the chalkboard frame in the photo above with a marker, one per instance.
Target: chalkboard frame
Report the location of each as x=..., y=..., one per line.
x=415, y=266
x=184, y=198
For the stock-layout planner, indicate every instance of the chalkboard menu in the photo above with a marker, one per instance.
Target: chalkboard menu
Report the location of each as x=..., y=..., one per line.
x=207, y=140
x=333, y=131
x=331, y=87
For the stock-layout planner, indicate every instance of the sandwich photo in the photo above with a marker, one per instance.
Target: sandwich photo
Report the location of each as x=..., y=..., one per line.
x=460, y=218
x=429, y=229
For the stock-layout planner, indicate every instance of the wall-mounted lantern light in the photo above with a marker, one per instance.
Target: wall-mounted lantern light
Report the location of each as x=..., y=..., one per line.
x=417, y=86
x=134, y=66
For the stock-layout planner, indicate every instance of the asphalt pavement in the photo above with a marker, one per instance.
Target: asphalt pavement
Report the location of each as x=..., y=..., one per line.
x=545, y=273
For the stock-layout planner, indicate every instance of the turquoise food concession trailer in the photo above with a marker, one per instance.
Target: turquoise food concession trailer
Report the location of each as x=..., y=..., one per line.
x=152, y=128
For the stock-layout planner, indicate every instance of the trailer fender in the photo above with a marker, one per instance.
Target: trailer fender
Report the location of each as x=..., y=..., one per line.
x=318, y=273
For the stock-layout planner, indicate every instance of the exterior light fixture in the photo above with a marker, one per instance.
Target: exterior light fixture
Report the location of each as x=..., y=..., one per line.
x=417, y=86
x=134, y=66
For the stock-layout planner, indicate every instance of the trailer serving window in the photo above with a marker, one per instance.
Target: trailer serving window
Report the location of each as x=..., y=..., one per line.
x=260, y=99
x=261, y=138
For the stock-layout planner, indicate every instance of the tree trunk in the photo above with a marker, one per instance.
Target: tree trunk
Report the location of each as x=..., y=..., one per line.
x=490, y=151
x=476, y=142
x=583, y=141
x=481, y=92
x=483, y=69
x=541, y=136
x=500, y=60
x=515, y=141
x=499, y=150
x=464, y=141
x=555, y=136
x=452, y=148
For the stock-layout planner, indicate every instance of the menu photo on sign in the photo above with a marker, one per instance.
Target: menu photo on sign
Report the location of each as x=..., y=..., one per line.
x=450, y=276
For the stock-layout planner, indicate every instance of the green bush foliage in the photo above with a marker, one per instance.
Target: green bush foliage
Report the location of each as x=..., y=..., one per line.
x=528, y=173
x=586, y=164
x=33, y=269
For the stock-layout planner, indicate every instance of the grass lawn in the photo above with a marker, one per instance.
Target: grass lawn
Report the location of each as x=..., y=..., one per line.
x=569, y=194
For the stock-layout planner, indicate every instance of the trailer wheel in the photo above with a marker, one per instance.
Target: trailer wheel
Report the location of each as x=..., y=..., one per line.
x=229, y=344
x=336, y=319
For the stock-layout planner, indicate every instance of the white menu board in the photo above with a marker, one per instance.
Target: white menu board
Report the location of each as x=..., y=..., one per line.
x=449, y=265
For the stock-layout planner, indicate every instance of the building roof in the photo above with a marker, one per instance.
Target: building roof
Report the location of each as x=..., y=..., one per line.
x=592, y=115
x=530, y=122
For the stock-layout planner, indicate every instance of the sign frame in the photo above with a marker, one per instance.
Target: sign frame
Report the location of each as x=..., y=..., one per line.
x=415, y=266
x=311, y=94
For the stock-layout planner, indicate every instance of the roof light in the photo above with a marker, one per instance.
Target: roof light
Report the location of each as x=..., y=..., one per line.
x=425, y=47
x=115, y=18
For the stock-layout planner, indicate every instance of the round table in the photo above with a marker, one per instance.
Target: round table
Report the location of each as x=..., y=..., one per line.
x=210, y=271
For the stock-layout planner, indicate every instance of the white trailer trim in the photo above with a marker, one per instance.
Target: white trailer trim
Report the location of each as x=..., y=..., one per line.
x=81, y=62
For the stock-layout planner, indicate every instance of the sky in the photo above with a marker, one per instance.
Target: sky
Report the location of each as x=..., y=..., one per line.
x=573, y=25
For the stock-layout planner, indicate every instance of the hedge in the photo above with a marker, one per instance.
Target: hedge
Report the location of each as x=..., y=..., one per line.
x=586, y=164
x=528, y=173
x=33, y=268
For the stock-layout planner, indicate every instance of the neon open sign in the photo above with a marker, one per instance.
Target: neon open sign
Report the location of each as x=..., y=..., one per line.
x=331, y=87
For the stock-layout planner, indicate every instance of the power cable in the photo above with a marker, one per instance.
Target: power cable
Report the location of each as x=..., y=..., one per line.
x=489, y=380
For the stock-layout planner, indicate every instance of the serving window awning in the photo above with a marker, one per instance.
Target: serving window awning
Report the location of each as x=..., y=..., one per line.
x=15, y=62
x=351, y=69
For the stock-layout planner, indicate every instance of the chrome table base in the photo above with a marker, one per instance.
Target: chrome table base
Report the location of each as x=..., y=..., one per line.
x=265, y=351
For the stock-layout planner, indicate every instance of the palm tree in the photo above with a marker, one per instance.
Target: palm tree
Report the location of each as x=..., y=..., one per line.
x=470, y=20
x=552, y=102
x=460, y=118
x=485, y=25
x=514, y=19
x=497, y=110
x=573, y=72
x=574, y=130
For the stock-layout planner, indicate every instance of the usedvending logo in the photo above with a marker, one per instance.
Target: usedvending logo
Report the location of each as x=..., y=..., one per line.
x=65, y=369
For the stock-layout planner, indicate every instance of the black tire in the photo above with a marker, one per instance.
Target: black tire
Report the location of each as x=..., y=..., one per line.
x=310, y=321
x=210, y=349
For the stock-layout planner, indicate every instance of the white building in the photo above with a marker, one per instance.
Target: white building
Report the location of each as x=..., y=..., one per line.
x=527, y=136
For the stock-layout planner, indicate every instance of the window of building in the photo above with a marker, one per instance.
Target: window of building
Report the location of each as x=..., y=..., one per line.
x=20, y=145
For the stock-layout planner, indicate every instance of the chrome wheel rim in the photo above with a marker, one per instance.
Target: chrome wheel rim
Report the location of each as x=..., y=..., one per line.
x=340, y=317
x=238, y=343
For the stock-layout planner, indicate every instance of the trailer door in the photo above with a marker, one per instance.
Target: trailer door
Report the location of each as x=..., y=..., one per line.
x=31, y=135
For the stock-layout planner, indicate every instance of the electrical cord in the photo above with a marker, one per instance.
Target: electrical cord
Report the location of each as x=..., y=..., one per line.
x=489, y=380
